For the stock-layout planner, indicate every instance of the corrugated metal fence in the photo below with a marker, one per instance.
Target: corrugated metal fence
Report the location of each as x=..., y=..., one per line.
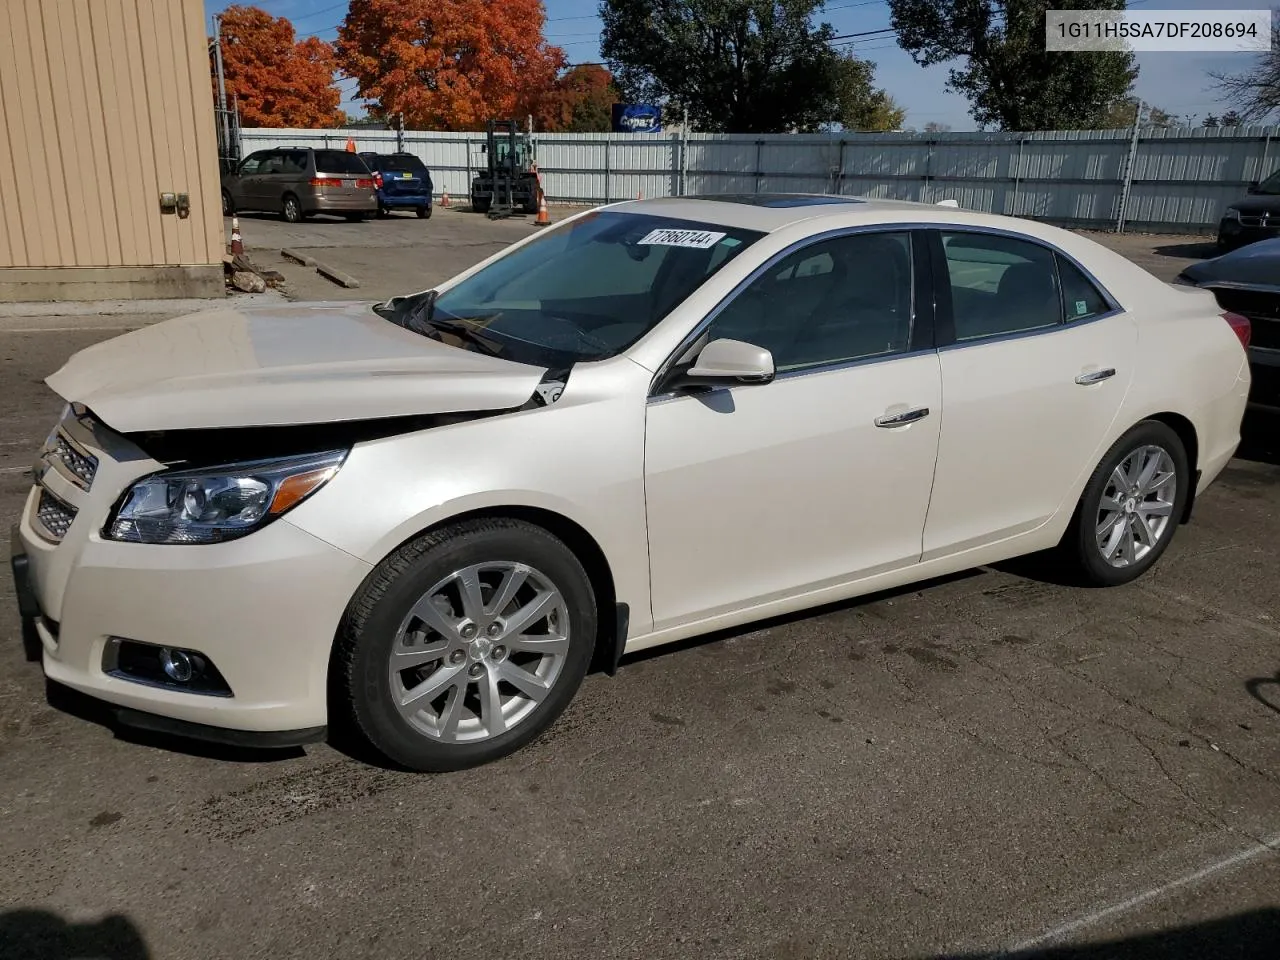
x=1162, y=180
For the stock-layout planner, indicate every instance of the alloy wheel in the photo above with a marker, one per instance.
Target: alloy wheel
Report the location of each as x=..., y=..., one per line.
x=1136, y=506
x=479, y=652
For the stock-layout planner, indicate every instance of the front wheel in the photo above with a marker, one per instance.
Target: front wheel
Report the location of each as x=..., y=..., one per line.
x=1131, y=506
x=465, y=645
x=228, y=205
x=424, y=213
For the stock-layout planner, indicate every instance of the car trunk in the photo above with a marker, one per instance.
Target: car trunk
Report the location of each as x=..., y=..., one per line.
x=341, y=175
x=403, y=178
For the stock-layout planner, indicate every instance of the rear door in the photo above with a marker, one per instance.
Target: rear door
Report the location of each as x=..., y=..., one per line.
x=1036, y=359
x=346, y=175
x=404, y=176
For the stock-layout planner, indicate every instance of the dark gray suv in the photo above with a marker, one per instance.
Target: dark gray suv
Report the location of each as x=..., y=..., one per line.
x=299, y=181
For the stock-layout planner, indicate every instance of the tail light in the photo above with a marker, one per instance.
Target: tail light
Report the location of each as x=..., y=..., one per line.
x=365, y=183
x=377, y=180
x=1241, y=326
x=325, y=182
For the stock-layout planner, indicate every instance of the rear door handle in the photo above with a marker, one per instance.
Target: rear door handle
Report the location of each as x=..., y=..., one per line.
x=903, y=418
x=1095, y=376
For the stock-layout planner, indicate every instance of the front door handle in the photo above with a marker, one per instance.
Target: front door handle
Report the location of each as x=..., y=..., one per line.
x=1095, y=376
x=903, y=418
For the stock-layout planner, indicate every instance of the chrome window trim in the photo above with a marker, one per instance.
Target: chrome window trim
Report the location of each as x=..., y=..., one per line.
x=1114, y=306
x=665, y=367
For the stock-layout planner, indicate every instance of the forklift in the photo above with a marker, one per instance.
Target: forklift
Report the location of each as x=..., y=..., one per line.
x=508, y=183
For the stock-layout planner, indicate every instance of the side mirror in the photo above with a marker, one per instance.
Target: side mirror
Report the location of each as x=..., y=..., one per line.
x=1253, y=186
x=724, y=362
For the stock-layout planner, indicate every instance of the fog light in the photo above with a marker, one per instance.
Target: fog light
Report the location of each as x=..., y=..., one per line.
x=177, y=664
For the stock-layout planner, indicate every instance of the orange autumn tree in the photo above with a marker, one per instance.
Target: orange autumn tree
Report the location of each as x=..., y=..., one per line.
x=449, y=64
x=276, y=80
x=580, y=102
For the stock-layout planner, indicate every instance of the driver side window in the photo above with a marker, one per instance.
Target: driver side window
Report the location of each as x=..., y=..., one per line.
x=251, y=164
x=838, y=300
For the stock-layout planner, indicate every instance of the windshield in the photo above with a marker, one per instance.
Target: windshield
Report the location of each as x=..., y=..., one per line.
x=1271, y=185
x=584, y=291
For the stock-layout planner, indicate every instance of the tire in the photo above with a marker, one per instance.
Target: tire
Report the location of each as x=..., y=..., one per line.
x=356, y=217
x=228, y=205
x=424, y=213
x=382, y=212
x=425, y=574
x=480, y=206
x=1152, y=508
x=291, y=209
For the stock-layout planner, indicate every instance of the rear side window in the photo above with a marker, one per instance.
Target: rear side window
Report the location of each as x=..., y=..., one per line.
x=401, y=163
x=1080, y=298
x=1000, y=285
x=339, y=161
x=295, y=161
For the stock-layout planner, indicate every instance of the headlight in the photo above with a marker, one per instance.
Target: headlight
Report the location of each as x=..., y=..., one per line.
x=218, y=503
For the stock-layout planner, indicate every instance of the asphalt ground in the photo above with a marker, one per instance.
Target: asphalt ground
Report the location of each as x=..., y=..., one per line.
x=992, y=762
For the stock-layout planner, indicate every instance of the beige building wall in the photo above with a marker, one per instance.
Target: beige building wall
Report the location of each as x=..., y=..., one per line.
x=104, y=106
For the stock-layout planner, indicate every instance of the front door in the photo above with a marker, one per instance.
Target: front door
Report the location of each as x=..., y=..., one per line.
x=1039, y=363
x=759, y=492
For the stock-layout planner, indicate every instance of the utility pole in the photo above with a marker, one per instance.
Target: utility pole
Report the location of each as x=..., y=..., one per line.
x=222, y=86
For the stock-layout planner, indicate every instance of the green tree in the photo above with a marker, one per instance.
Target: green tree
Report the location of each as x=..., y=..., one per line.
x=1232, y=119
x=1211, y=121
x=861, y=105
x=753, y=66
x=1010, y=80
x=1119, y=115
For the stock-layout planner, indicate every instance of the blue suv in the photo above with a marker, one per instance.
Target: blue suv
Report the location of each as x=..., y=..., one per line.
x=402, y=180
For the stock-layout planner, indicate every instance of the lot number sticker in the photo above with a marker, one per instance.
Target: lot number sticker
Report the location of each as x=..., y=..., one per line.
x=697, y=239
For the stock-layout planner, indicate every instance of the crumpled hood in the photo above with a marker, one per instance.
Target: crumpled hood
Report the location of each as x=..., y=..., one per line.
x=289, y=364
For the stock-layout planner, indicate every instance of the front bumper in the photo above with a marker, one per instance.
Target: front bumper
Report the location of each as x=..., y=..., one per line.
x=263, y=609
x=1232, y=233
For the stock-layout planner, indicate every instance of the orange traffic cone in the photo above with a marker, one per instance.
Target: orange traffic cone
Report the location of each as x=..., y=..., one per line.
x=237, y=245
x=639, y=195
x=444, y=199
x=351, y=145
x=543, y=217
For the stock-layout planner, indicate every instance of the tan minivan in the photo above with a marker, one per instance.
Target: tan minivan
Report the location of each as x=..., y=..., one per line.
x=299, y=181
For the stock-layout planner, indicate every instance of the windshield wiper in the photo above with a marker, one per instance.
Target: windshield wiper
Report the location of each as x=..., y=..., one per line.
x=462, y=329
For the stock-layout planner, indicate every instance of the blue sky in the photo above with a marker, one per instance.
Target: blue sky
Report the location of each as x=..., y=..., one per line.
x=1176, y=82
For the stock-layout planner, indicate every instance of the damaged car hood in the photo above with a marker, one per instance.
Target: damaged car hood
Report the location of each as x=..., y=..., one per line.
x=275, y=366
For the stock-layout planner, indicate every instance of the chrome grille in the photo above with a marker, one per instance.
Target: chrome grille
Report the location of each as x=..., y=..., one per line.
x=54, y=515
x=82, y=466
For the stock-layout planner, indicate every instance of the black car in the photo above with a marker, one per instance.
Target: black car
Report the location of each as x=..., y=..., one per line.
x=1257, y=218
x=1247, y=281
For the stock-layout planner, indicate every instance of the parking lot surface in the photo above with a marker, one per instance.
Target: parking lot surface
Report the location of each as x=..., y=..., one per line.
x=990, y=762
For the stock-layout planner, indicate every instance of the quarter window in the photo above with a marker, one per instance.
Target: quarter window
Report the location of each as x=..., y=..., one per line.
x=848, y=298
x=1080, y=298
x=1000, y=285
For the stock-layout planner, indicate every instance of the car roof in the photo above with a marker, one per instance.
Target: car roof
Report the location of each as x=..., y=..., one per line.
x=768, y=212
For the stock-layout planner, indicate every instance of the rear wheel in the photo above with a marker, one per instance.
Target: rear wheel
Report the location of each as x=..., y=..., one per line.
x=356, y=217
x=382, y=211
x=291, y=209
x=424, y=212
x=228, y=205
x=480, y=205
x=466, y=644
x=1131, y=506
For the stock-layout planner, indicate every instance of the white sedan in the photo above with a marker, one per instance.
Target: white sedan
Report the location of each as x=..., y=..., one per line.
x=424, y=520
